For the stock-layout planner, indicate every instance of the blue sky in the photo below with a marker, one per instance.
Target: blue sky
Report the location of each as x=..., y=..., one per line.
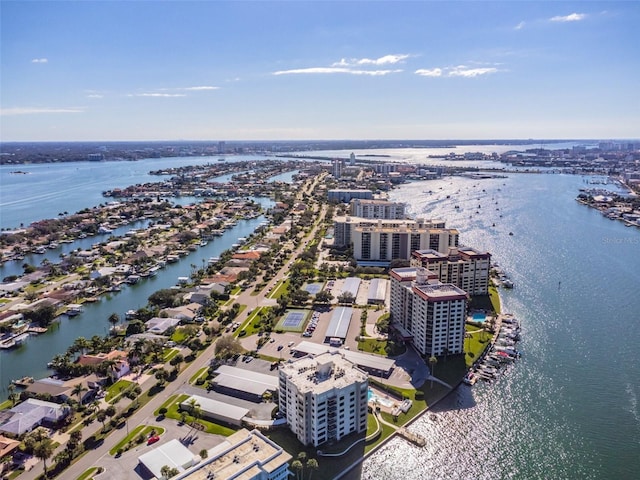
x=124, y=70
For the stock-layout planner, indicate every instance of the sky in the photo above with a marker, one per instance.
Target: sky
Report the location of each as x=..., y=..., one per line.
x=293, y=70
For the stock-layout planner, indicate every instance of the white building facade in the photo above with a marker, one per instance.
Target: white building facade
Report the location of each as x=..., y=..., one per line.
x=377, y=209
x=432, y=313
x=465, y=267
x=323, y=398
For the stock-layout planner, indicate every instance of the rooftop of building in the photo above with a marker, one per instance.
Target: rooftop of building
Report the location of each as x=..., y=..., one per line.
x=242, y=456
x=324, y=372
x=440, y=292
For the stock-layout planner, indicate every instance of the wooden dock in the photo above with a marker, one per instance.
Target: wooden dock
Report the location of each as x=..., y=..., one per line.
x=412, y=437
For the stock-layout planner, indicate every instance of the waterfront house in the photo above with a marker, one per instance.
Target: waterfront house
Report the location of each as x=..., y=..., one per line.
x=30, y=414
x=159, y=325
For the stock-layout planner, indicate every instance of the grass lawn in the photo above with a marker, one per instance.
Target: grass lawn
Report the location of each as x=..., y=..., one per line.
x=173, y=411
x=116, y=389
x=252, y=323
x=169, y=354
x=475, y=345
x=179, y=335
x=90, y=473
x=372, y=345
x=198, y=374
x=495, y=298
x=144, y=430
x=280, y=289
x=236, y=291
x=6, y=404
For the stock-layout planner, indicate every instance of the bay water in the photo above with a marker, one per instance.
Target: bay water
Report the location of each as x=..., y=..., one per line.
x=569, y=407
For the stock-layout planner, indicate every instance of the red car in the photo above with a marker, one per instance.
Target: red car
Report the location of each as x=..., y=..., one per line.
x=153, y=440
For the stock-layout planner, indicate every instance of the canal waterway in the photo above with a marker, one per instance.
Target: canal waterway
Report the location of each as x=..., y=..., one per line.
x=569, y=407
x=31, y=358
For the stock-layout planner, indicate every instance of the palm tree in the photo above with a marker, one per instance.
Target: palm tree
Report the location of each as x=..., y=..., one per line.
x=432, y=364
x=312, y=464
x=12, y=393
x=43, y=449
x=77, y=390
x=297, y=466
x=81, y=345
x=114, y=319
x=195, y=410
x=102, y=416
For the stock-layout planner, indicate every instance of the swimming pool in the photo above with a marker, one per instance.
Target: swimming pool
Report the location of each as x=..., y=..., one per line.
x=479, y=317
x=385, y=402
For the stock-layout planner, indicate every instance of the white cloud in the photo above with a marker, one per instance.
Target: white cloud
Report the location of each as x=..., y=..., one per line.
x=463, y=71
x=433, y=72
x=95, y=95
x=36, y=111
x=157, y=95
x=520, y=26
x=458, y=71
x=200, y=88
x=574, y=17
x=325, y=70
x=385, y=60
x=40, y=60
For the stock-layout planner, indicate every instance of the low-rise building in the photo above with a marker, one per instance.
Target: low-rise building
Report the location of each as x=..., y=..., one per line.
x=246, y=455
x=30, y=414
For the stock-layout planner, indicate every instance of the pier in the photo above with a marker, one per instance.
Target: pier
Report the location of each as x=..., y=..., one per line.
x=412, y=437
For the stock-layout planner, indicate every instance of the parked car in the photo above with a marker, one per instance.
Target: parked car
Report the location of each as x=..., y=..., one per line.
x=153, y=440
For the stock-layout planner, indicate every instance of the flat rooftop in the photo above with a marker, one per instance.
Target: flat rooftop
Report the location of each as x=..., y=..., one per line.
x=245, y=380
x=321, y=373
x=364, y=360
x=242, y=456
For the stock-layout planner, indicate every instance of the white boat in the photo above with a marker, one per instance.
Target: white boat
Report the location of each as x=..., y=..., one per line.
x=131, y=279
x=213, y=260
x=52, y=245
x=104, y=229
x=130, y=315
x=153, y=271
x=40, y=250
x=74, y=309
x=183, y=280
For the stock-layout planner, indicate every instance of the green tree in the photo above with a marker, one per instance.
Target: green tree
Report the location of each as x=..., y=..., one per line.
x=297, y=467
x=101, y=416
x=227, y=346
x=312, y=464
x=167, y=472
x=162, y=376
x=43, y=449
x=78, y=388
x=114, y=319
x=432, y=366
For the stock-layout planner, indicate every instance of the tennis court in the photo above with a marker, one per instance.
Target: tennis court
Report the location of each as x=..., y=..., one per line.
x=314, y=288
x=293, y=320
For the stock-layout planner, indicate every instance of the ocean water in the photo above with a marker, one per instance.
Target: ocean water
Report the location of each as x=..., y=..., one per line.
x=569, y=407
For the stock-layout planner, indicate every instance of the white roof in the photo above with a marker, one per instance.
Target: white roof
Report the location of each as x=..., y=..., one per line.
x=340, y=320
x=245, y=380
x=378, y=289
x=217, y=408
x=173, y=454
x=160, y=325
x=360, y=359
x=351, y=285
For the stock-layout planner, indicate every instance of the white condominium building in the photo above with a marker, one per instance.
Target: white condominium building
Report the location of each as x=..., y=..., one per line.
x=377, y=209
x=431, y=313
x=465, y=267
x=384, y=240
x=323, y=398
